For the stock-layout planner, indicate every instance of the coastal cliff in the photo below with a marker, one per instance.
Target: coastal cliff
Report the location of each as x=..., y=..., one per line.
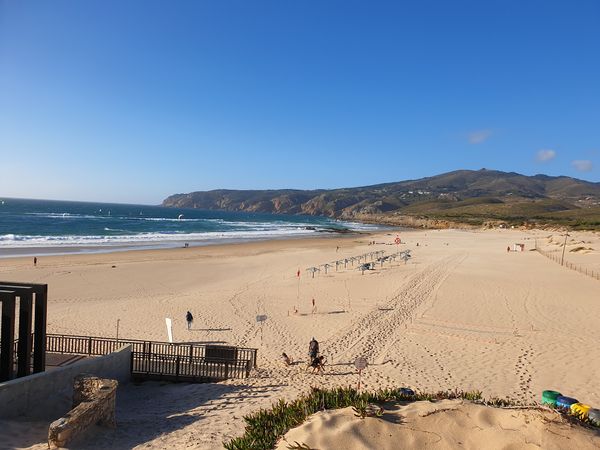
x=463, y=196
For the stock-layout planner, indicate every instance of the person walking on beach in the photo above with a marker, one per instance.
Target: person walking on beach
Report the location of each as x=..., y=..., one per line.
x=34, y=261
x=313, y=349
x=190, y=319
x=314, y=307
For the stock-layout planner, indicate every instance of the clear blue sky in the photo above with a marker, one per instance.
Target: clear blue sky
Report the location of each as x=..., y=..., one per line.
x=131, y=101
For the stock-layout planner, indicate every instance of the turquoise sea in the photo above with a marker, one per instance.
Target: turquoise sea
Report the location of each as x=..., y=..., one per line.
x=29, y=227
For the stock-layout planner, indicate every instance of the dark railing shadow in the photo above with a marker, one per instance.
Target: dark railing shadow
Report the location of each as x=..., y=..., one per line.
x=146, y=411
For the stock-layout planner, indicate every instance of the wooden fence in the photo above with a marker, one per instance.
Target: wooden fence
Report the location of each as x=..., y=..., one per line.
x=557, y=257
x=184, y=368
x=163, y=360
x=97, y=346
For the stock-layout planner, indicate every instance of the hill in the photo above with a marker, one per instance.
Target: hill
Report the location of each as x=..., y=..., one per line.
x=465, y=196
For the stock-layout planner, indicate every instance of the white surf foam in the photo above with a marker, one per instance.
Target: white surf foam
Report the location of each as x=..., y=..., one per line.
x=16, y=241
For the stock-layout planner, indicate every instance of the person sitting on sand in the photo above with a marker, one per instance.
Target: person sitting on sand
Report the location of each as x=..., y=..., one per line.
x=286, y=359
x=318, y=364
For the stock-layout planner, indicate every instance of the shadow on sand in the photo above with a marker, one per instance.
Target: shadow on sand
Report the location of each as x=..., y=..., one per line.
x=211, y=329
x=390, y=414
x=149, y=410
x=320, y=313
x=340, y=373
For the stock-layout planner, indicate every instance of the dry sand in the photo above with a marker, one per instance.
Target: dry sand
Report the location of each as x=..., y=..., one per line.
x=463, y=313
x=448, y=424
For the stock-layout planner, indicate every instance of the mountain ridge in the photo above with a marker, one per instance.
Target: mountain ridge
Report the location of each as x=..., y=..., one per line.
x=461, y=195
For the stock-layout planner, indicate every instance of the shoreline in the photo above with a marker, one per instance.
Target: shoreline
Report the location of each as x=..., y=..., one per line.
x=191, y=252
x=28, y=252
x=36, y=227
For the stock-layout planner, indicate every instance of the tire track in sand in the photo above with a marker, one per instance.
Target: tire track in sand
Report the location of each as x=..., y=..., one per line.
x=375, y=333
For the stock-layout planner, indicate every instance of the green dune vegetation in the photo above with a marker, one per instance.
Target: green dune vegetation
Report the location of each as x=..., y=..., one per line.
x=534, y=212
x=265, y=427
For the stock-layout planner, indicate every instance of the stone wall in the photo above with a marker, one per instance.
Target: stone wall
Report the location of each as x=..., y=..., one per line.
x=93, y=403
x=49, y=395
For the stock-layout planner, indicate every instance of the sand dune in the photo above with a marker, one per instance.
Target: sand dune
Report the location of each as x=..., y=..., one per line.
x=448, y=424
x=462, y=313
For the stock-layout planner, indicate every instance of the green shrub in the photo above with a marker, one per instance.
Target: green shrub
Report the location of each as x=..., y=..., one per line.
x=265, y=427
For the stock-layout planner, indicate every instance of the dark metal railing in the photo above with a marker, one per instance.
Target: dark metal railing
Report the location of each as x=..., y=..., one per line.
x=97, y=346
x=185, y=368
x=163, y=360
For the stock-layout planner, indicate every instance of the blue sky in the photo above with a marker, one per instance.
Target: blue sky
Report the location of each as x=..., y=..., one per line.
x=131, y=101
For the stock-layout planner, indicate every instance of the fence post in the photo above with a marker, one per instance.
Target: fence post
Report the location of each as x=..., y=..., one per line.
x=90, y=346
x=226, y=369
x=177, y=367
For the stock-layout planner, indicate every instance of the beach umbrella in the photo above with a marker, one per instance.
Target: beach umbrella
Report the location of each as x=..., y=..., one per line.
x=313, y=270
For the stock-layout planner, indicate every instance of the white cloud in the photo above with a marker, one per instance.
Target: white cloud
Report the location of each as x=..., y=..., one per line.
x=545, y=155
x=478, y=137
x=582, y=165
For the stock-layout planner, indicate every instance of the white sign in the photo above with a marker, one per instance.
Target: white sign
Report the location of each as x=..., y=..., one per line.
x=261, y=318
x=361, y=363
x=169, y=329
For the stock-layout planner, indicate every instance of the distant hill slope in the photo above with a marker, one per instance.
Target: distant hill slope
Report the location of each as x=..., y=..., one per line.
x=462, y=196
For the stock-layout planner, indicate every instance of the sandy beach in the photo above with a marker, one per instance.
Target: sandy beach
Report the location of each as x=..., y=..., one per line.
x=462, y=313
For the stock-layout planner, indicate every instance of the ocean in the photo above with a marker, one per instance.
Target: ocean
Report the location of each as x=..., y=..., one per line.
x=30, y=227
